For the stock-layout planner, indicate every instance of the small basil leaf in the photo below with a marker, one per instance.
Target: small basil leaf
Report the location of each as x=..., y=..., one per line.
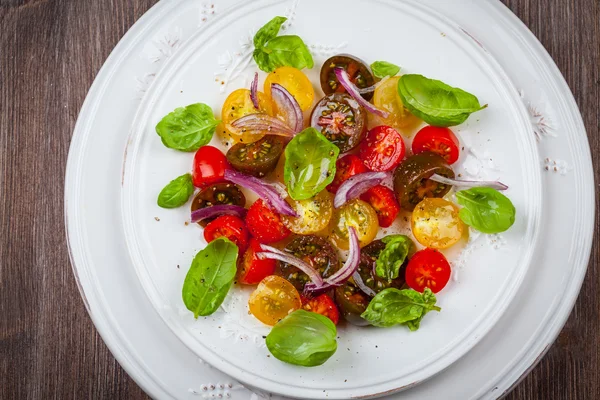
x=486, y=209
x=210, y=277
x=393, y=256
x=381, y=69
x=187, y=128
x=268, y=31
x=303, y=338
x=177, y=192
x=309, y=164
x=393, y=307
x=435, y=102
x=288, y=51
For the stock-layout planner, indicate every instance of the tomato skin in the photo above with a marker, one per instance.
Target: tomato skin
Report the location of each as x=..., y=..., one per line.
x=428, y=268
x=441, y=141
x=228, y=226
x=346, y=167
x=265, y=224
x=251, y=269
x=323, y=305
x=209, y=166
x=383, y=149
x=383, y=200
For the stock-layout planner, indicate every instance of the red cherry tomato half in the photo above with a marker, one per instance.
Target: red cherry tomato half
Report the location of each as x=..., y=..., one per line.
x=383, y=149
x=209, y=166
x=323, y=305
x=428, y=268
x=383, y=200
x=265, y=224
x=345, y=168
x=228, y=226
x=251, y=269
x=441, y=141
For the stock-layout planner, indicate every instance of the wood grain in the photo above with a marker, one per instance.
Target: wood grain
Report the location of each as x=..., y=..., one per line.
x=50, y=51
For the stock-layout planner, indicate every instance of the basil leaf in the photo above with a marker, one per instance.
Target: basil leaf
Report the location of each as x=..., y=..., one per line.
x=486, y=209
x=393, y=307
x=210, y=277
x=435, y=102
x=391, y=258
x=187, y=128
x=268, y=32
x=381, y=69
x=309, y=164
x=303, y=338
x=177, y=192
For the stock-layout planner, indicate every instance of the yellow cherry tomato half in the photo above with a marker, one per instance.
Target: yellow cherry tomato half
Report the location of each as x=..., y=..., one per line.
x=295, y=82
x=273, y=300
x=386, y=97
x=358, y=214
x=313, y=214
x=436, y=223
x=237, y=105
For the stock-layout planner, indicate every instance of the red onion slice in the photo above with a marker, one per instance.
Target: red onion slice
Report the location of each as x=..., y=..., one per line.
x=362, y=286
x=260, y=124
x=353, y=91
x=357, y=185
x=468, y=184
x=288, y=106
x=254, y=91
x=275, y=254
x=218, y=210
x=265, y=191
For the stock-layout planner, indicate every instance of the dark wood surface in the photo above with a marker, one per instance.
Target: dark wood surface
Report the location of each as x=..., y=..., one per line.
x=50, y=51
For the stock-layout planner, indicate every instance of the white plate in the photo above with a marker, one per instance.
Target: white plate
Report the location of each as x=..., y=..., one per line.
x=106, y=274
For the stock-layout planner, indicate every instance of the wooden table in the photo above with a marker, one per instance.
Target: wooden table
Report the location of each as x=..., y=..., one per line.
x=50, y=51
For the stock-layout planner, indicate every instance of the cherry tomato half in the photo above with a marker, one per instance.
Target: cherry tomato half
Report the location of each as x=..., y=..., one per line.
x=295, y=82
x=323, y=305
x=358, y=214
x=228, y=226
x=428, y=268
x=383, y=200
x=345, y=168
x=209, y=166
x=265, y=224
x=441, y=141
x=274, y=299
x=237, y=105
x=383, y=149
x=436, y=223
x=251, y=269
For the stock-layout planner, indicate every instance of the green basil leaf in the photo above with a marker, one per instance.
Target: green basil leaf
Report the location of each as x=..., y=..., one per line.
x=309, y=164
x=210, y=277
x=486, y=209
x=177, y=192
x=435, y=102
x=393, y=256
x=268, y=32
x=393, y=307
x=283, y=51
x=381, y=69
x=188, y=128
x=303, y=338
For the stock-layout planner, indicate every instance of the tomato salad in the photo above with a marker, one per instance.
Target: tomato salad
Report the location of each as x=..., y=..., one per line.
x=326, y=183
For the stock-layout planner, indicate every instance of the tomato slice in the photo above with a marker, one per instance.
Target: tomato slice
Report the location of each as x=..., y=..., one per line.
x=295, y=82
x=251, y=269
x=345, y=168
x=383, y=149
x=383, y=200
x=428, y=268
x=273, y=299
x=441, y=141
x=209, y=166
x=323, y=305
x=228, y=226
x=265, y=224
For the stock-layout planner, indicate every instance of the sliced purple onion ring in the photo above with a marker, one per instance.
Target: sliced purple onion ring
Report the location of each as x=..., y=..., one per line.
x=362, y=286
x=288, y=106
x=265, y=191
x=353, y=91
x=260, y=124
x=275, y=254
x=357, y=185
x=254, y=91
x=468, y=184
x=218, y=210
